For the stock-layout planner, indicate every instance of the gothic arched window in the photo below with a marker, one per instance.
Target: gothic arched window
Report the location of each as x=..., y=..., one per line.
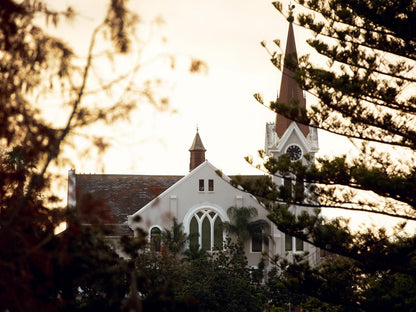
x=155, y=238
x=205, y=230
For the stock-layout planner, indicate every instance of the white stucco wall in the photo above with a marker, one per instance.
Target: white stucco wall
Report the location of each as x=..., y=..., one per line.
x=184, y=199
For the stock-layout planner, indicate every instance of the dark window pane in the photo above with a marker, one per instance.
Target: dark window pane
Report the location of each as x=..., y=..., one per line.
x=299, y=244
x=286, y=190
x=155, y=238
x=193, y=232
x=211, y=185
x=256, y=244
x=218, y=233
x=206, y=234
x=288, y=242
x=201, y=185
x=299, y=191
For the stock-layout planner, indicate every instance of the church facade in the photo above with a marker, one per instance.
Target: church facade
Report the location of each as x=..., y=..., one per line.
x=200, y=199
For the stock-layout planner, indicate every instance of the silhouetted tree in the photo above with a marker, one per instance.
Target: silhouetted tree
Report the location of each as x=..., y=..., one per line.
x=365, y=91
x=77, y=269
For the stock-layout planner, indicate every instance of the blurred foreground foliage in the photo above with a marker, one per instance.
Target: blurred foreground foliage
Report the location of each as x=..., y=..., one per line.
x=77, y=269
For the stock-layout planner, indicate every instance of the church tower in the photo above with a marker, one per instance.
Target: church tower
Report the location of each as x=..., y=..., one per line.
x=197, y=151
x=285, y=135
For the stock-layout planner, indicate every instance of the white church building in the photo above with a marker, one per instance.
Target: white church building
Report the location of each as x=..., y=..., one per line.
x=200, y=199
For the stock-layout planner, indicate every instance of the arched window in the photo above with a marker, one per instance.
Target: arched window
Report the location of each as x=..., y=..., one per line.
x=205, y=229
x=155, y=238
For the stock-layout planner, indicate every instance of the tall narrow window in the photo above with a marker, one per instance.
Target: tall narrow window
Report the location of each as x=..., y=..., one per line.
x=288, y=242
x=211, y=185
x=299, y=191
x=194, y=233
x=286, y=190
x=206, y=234
x=155, y=238
x=201, y=185
x=299, y=244
x=256, y=244
x=218, y=233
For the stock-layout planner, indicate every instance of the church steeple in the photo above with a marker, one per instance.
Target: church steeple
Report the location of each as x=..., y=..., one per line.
x=197, y=151
x=289, y=89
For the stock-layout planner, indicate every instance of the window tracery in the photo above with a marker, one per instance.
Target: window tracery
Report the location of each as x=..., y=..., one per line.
x=205, y=229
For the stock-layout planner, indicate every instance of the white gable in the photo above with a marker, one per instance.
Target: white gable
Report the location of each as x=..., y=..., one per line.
x=292, y=135
x=184, y=198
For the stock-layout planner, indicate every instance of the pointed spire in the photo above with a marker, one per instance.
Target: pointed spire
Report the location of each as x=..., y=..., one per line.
x=197, y=143
x=289, y=89
x=197, y=151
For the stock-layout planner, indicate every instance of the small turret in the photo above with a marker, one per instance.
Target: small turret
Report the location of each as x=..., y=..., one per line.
x=197, y=151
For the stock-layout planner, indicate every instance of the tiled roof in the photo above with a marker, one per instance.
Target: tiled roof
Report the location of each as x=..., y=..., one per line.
x=124, y=194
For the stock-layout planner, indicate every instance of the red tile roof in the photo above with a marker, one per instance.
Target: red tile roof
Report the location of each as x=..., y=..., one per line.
x=124, y=194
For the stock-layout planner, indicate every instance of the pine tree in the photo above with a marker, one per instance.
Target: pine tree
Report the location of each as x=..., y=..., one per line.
x=365, y=91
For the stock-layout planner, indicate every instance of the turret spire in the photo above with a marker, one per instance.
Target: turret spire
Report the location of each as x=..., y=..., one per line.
x=197, y=151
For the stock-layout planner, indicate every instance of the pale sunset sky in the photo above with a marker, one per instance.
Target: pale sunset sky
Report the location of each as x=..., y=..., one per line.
x=226, y=34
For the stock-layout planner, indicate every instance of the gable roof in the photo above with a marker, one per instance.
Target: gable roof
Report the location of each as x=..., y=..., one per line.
x=174, y=185
x=127, y=194
x=293, y=128
x=187, y=177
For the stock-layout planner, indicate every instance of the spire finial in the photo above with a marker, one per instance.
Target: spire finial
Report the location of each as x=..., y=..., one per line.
x=290, y=18
x=197, y=129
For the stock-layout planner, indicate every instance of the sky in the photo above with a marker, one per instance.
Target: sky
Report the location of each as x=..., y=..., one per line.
x=226, y=35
